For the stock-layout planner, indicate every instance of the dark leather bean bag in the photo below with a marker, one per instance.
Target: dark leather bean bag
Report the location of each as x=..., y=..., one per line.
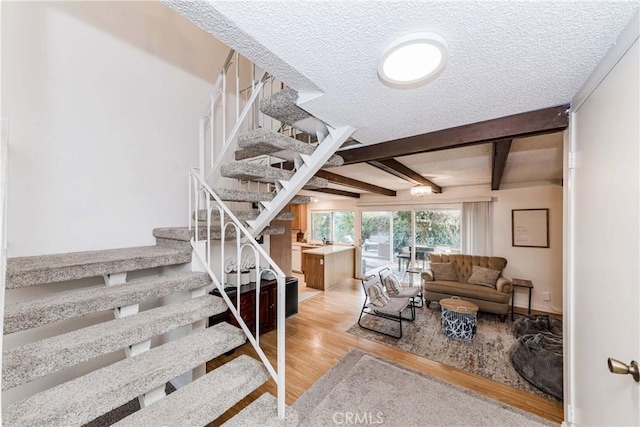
x=525, y=325
x=538, y=358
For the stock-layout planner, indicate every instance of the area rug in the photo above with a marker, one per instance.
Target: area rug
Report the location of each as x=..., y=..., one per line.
x=486, y=355
x=362, y=389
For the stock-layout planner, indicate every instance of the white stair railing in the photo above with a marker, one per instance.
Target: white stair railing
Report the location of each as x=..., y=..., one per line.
x=232, y=109
x=214, y=261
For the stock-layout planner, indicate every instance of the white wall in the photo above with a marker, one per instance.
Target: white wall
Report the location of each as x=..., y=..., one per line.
x=543, y=266
x=103, y=101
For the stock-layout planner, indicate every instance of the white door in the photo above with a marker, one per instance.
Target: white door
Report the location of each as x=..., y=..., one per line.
x=603, y=273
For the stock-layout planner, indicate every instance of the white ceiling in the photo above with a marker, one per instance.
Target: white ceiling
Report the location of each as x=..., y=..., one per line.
x=505, y=58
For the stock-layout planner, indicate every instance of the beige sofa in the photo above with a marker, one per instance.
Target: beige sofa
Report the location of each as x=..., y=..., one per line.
x=487, y=298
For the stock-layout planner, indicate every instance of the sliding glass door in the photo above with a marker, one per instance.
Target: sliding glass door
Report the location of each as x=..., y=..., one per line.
x=385, y=235
x=437, y=231
x=387, y=238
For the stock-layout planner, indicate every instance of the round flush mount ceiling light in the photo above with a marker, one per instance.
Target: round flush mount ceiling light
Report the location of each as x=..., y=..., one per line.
x=413, y=60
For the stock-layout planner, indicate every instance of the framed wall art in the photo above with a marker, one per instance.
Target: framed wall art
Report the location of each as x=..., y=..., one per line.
x=530, y=228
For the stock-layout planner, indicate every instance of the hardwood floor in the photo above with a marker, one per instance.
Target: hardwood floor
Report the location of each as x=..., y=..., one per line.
x=316, y=340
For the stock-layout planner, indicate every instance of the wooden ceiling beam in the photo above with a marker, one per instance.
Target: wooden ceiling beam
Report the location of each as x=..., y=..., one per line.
x=396, y=168
x=337, y=192
x=500, y=155
x=346, y=181
x=547, y=120
x=350, y=182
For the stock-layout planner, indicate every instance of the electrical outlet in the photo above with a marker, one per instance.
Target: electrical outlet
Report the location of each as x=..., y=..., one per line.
x=546, y=296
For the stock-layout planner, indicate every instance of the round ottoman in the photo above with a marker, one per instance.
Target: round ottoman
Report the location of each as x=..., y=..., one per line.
x=459, y=318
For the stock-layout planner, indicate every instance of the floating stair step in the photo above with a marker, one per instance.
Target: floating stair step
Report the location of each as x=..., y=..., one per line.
x=184, y=234
x=205, y=399
x=34, y=360
x=68, y=305
x=264, y=173
x=79, y=401
x=262, y=141
x=36, y=270
x=263, y=412
x=283, y=107
x=243, y=215
x=235, y=195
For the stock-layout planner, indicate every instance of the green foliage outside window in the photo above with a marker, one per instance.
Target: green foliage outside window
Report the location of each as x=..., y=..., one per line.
x=438, y=228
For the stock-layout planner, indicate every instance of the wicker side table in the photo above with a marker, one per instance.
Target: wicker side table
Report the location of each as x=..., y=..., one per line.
x=459, y=318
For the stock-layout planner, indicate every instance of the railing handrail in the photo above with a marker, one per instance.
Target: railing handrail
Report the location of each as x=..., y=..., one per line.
x=193, y=172
x=196, y=185
x=236, y=127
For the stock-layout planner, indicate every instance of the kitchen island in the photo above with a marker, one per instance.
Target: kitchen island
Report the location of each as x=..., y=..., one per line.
x=328, y=266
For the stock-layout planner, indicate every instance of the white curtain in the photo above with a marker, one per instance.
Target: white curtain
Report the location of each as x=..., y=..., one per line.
x=477, y=228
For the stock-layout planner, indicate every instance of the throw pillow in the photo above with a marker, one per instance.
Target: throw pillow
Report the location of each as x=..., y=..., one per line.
x=484, y=276
x=444, y=271
x=377, y=295
x=392, y=284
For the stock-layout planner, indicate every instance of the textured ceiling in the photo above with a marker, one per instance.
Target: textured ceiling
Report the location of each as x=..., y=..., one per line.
x=505, y=58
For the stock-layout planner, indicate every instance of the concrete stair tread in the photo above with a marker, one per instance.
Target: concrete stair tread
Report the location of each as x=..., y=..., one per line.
x=205, y=399
x=236, y=195
x=184, y=234
x=244, y=215
x=67, y=305
x=283, y=107
x=36, y=270
x=263, y=412
x=37, y=359
x=262, y=141
x=79, y=401
x=265, y=173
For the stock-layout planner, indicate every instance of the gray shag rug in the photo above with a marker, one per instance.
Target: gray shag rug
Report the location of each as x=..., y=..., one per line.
x=486, y=355
x=362, y=389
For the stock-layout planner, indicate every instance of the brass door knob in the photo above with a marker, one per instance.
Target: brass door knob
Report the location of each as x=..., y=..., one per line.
x=618, y=367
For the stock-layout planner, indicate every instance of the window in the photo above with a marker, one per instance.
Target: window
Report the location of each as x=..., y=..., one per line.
x=335, y=226
x=438, y=230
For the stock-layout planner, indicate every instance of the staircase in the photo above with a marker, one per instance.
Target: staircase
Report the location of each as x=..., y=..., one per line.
x=223, y=226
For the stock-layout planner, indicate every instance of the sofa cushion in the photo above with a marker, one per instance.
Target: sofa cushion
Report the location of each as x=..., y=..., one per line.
x=484, y=276
x=392, y=284
x=377, y=296
x=467, y=290
x=464, y=263
x=444, y=271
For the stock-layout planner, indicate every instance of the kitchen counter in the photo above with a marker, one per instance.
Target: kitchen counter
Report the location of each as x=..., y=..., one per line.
x=305, y=245
x=328, y=266
x=329, y=249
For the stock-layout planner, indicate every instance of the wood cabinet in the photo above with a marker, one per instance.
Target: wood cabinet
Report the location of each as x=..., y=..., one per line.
x=328, y=266
x=268, y=304
x=314, y=271
x=300, y=220
x=280, y=247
